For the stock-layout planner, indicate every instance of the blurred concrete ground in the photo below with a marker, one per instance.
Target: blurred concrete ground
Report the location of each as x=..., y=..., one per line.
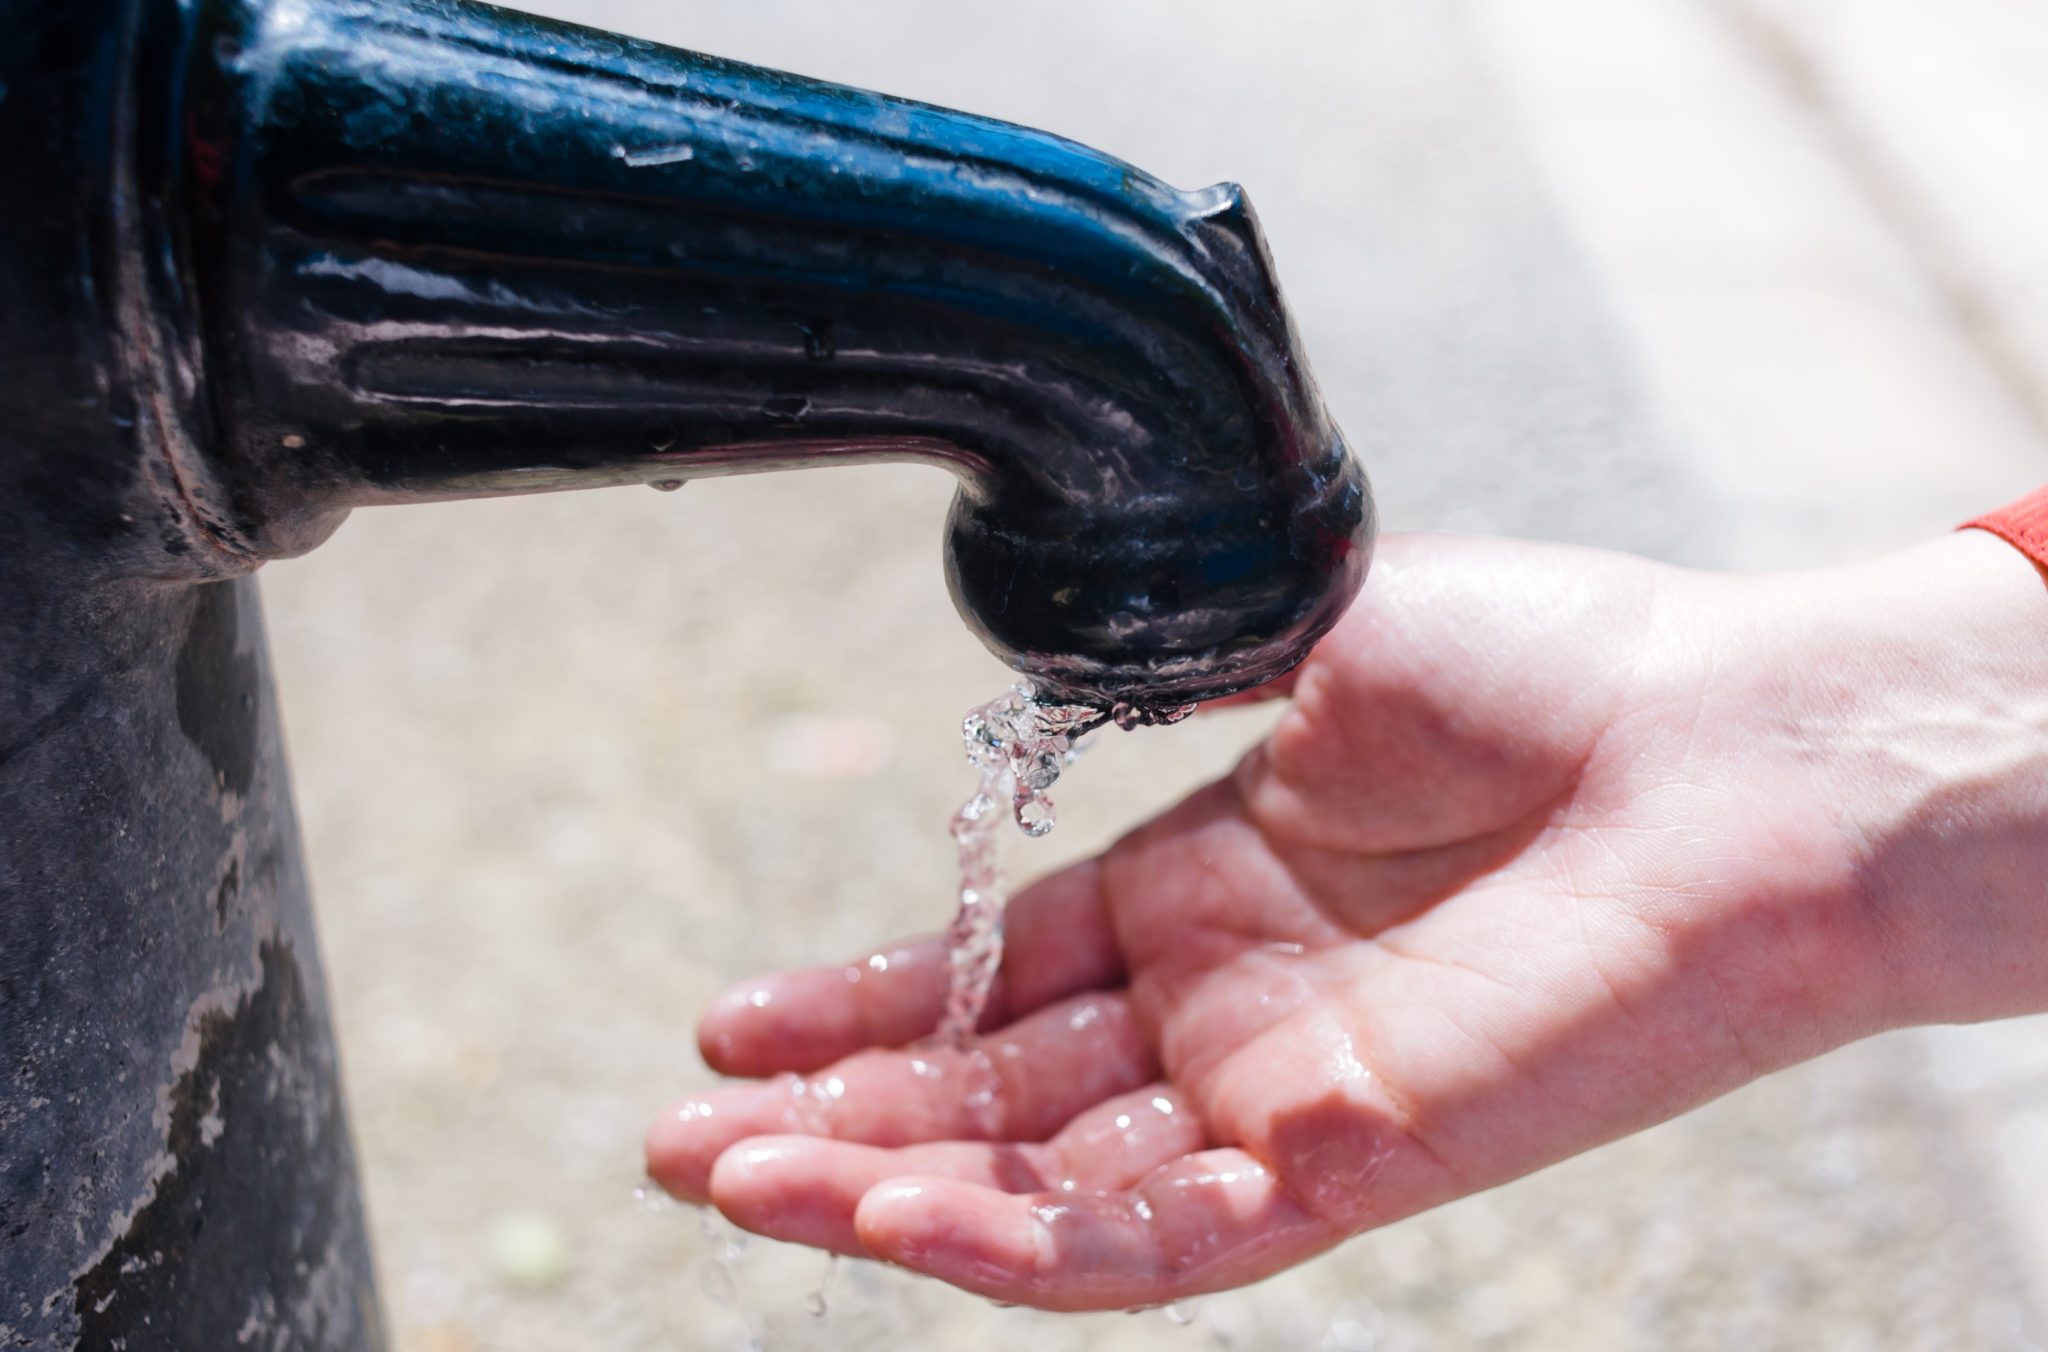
x=1737, y=282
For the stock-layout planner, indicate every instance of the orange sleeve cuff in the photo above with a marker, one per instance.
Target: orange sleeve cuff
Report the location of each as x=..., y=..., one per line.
x=2022, y=524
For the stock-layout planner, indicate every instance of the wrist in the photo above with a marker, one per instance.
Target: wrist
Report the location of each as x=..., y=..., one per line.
x=1915, y=689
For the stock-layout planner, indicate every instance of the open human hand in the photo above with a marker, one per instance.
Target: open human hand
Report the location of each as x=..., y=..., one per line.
x=1551, y=846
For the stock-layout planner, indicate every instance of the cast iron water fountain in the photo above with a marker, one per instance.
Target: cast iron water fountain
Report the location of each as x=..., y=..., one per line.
x=266, y=261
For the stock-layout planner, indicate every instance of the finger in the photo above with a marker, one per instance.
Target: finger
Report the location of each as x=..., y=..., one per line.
x=804, y=1189
x=1201, y=1223
x=1057, y=942
x=1021, y=1084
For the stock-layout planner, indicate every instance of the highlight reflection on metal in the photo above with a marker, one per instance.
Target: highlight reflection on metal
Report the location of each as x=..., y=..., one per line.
x=429, y=250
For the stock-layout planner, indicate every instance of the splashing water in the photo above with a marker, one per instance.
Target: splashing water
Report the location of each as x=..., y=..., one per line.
x=653, y=1199
x=815, y=1301
x=1020, y=741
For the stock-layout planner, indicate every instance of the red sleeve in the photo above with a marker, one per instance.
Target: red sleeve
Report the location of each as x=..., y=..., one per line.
x=2022, y=524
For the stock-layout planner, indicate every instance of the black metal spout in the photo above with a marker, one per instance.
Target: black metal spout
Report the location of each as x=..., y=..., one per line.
x=401, y=251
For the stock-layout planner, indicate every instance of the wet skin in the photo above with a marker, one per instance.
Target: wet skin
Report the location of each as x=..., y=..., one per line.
x=1551, y=846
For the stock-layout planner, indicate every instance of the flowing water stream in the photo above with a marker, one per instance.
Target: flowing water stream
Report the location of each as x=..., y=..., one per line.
x=1020, y=742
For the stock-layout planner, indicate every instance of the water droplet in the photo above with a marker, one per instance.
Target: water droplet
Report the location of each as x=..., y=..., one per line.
x=1357, y=1327
x=1181, y=1313
x=1130, y=716
x=667, y=486
x=1040, y=765
x=718, y=1285
x=673, y=154
x=1035, y=815
x=815, y=1301
x=651, y=1198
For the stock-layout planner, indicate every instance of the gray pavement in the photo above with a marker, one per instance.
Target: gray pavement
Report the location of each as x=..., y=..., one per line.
x=1577, y=271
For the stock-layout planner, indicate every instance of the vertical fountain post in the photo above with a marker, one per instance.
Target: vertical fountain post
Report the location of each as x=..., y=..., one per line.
x=266, y=261
x=175, y=1163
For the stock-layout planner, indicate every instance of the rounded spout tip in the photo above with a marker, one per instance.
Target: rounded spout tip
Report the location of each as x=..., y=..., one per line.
x=1167, y=604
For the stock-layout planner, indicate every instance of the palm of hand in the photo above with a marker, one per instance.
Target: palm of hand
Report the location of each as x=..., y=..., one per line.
x=1471, y=909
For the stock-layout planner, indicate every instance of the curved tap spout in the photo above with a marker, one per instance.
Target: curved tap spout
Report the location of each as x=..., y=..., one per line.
x=427, y=250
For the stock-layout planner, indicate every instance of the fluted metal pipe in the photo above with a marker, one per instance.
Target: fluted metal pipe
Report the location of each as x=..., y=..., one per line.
x=430, y=250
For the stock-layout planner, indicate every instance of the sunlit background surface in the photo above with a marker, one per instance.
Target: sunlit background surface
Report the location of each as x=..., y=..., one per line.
x=1748, y=284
